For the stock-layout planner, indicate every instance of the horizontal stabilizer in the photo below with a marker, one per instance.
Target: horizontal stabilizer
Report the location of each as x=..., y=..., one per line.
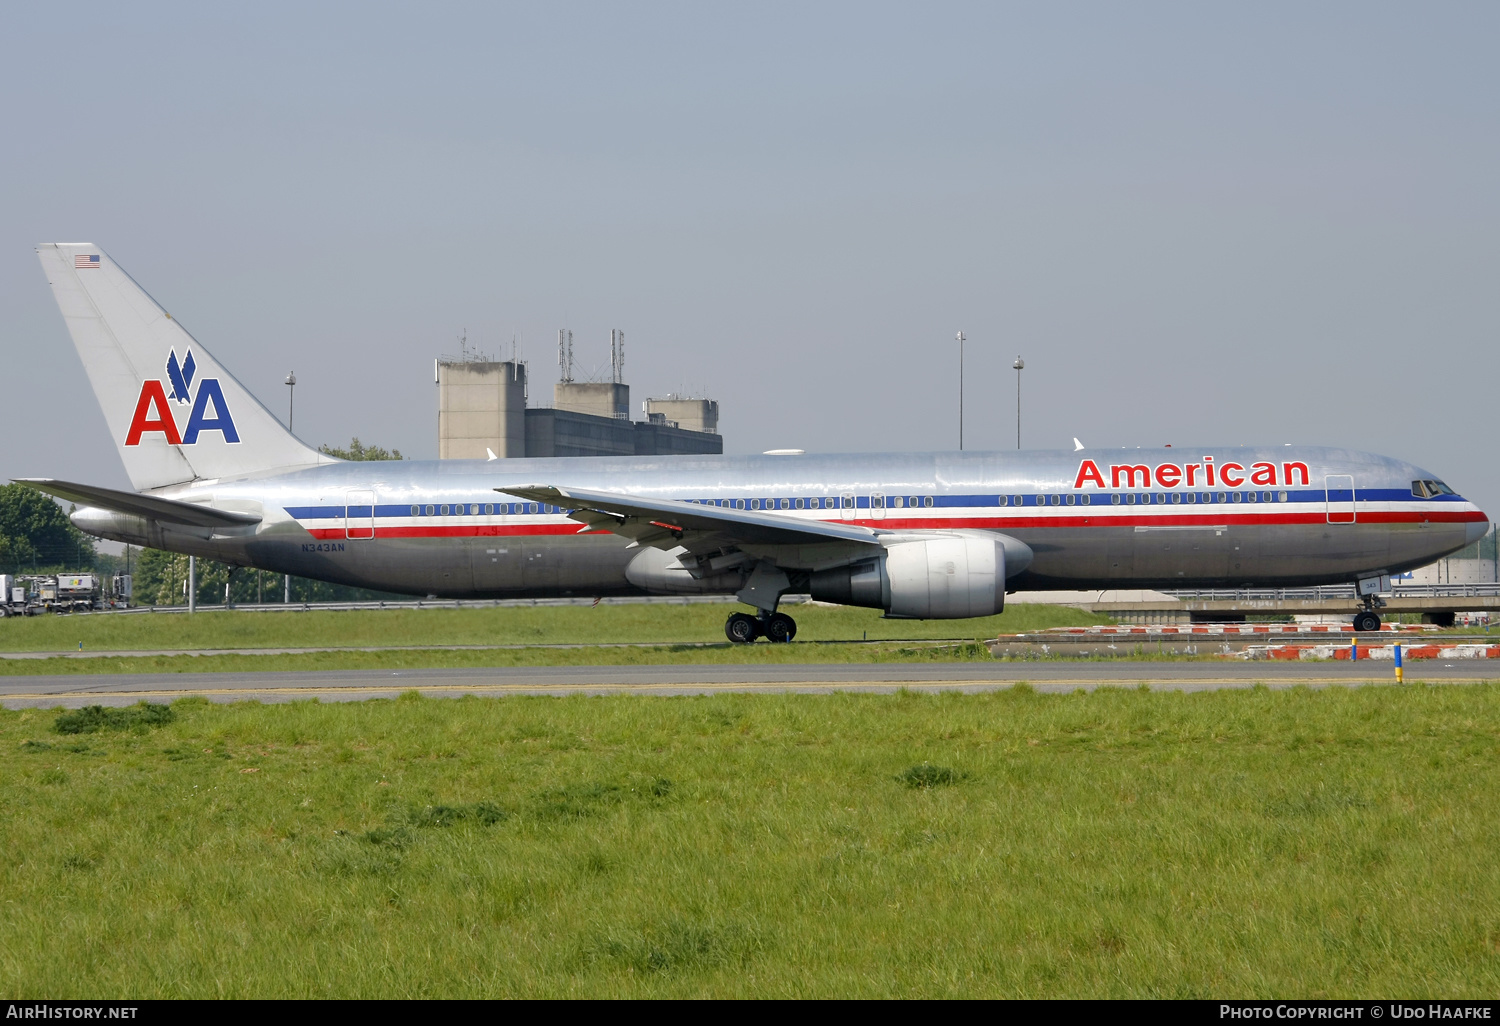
x=154, y=507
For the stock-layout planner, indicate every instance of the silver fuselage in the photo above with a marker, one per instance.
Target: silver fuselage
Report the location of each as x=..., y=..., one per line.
x=448, y=529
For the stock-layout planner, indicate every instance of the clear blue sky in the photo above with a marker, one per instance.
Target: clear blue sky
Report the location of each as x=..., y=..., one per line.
x=1203, y=223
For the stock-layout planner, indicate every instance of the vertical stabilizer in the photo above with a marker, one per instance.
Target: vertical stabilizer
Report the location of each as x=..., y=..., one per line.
x=175, y=413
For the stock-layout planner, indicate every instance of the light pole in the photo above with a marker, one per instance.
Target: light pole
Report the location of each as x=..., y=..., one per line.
x=291, y=395
x=960, y=337
x=1019, y=365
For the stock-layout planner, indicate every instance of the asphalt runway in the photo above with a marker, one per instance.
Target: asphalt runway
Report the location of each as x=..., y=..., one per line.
x=1052, y=676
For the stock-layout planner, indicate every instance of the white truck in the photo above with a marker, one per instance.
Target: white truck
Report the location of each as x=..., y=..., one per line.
x=30, y=594
x=12, y=596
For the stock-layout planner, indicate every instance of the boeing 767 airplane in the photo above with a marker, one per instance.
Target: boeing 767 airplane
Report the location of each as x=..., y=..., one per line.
x=918, y=535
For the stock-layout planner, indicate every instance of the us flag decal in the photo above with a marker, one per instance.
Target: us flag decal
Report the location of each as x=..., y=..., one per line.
x=86, y=261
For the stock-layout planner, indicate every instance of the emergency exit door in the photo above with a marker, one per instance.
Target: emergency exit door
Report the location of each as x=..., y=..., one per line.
x=1340, y=498
x=359, y=515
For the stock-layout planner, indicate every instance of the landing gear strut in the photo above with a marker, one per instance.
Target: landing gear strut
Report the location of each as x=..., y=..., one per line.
x=742, y=628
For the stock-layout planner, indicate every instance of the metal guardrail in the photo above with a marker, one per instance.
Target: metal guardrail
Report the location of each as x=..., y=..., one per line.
x=1335, y=592
x=1444, y=590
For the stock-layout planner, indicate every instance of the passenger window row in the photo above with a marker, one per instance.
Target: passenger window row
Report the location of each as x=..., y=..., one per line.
x=490, y=509
x=902, y=501
x=524, y=508
x=816, y=502
x=1142, y=498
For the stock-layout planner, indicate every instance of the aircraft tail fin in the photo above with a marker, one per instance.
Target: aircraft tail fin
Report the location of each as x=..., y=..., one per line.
x=176, y=414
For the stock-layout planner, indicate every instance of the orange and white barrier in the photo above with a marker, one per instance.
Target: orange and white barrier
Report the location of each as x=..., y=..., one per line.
x=1387, y=652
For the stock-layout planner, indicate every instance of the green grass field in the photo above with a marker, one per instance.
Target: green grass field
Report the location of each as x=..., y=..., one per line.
x=1249, y=843
x=515, y=625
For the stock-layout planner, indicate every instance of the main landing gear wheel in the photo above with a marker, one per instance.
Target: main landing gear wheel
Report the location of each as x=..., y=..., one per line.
x=780, y=628
x=1366, y=621
x=741, y=628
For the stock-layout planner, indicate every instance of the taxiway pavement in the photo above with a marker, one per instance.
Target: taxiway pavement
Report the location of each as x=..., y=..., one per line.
x=1052, y=676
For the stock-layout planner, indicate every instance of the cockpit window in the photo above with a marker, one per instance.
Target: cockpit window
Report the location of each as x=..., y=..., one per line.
x=1430, y=489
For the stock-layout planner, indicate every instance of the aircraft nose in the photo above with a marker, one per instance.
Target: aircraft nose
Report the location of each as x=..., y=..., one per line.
x=1476, y=531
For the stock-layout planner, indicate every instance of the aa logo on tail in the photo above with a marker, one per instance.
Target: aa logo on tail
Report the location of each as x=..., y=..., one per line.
x=153, y=410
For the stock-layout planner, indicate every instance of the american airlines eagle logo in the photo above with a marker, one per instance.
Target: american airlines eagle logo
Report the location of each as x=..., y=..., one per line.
x=209, y=411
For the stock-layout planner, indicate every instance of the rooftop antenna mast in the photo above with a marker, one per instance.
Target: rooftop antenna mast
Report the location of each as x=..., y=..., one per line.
x=565, y=354
x=617, y=354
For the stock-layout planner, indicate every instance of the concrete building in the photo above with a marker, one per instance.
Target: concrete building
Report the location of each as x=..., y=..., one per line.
x=656, y=439
x=610, y=399
x=482, y=406
x=688, y=414
x=554, y=432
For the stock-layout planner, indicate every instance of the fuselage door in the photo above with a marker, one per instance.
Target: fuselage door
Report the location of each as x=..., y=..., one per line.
x=877, y=507
x=1340, y=495
x=359, y=515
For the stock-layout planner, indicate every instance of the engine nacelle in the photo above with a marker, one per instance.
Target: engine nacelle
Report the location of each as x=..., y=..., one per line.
x=114, y=525
x=944, y=577
x=659, y=572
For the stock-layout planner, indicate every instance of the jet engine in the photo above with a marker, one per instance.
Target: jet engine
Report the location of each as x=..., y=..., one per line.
x=940, y=577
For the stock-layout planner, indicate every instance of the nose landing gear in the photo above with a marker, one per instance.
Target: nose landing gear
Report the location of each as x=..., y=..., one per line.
x=1368, y=590
x=742, y=628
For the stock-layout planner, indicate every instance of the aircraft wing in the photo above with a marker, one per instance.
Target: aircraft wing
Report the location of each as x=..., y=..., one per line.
x=171, y=511
x=669, y=523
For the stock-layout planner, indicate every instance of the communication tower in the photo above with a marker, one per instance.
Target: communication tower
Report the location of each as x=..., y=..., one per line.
x=565, y=354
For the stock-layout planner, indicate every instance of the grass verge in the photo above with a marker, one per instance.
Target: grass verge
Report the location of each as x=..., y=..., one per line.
x=523, y=625
x=723, y=654
x=1337, y=842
